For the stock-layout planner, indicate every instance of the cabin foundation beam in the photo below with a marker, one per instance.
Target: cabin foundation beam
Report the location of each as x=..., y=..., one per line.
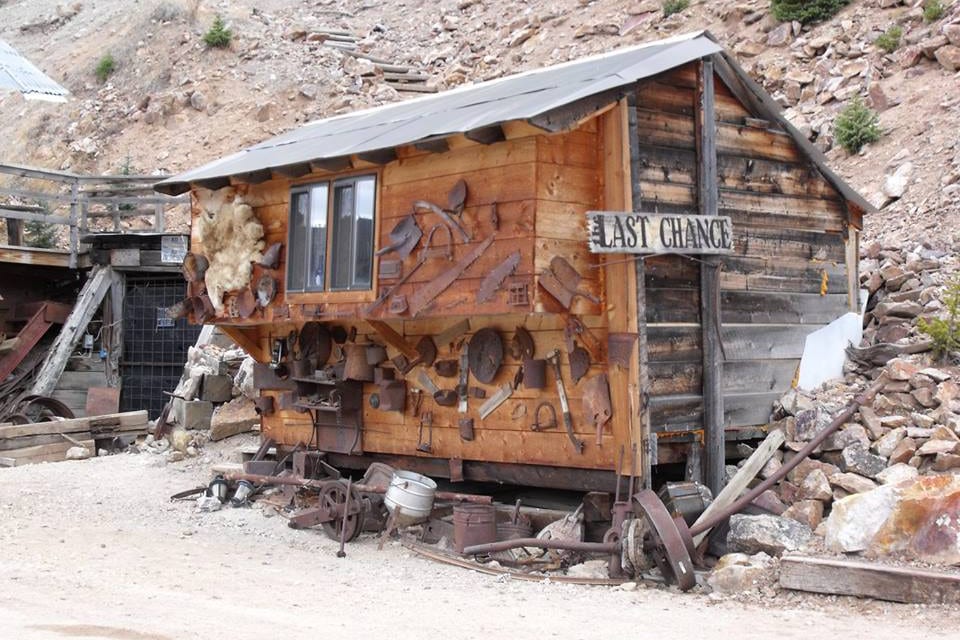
x=707, y=200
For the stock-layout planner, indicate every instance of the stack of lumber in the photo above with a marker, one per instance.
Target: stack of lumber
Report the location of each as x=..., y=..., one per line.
x=399, y=76
x=48, y=441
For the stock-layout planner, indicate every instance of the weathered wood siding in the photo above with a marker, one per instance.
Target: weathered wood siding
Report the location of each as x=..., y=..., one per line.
x=542, y=186
x=786, y=278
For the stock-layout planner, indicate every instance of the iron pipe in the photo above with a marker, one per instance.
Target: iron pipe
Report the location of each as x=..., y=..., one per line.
x=747, y=498
x=363, y=488
x=566, y=545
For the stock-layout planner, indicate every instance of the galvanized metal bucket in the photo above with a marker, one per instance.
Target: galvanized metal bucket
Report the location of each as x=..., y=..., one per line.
x=409, y=497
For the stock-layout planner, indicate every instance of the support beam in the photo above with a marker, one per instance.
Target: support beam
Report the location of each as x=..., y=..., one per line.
x=486, y=135
x=645, y=445
x=87, y=303
x=380, y=156
x=331, y=165
x=705, y=123
x=255, y=177
x=212, y=183
x=293, y=170
x=113, y=328
x=569, y=116
x=433, y=145
x=14, y=231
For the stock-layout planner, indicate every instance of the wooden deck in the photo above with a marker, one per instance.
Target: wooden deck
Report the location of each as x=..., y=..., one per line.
x=41, y=257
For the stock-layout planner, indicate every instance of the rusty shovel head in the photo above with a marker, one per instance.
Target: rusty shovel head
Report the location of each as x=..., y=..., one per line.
x=521, y=345
x=485, y=354
x=579, y=363
x=271, y=257
x=596, y=399
x=194, y=267
x=403, y=237
x=246, y=303
x=426, y=351
x=457, y=196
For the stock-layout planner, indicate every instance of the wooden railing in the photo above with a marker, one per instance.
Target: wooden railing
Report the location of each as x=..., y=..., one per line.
x=84, y=204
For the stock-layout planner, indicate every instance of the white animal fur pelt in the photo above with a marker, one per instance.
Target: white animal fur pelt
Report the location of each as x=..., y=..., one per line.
x=232, y=240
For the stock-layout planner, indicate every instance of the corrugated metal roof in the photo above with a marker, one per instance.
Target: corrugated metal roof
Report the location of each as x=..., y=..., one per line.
x=19, y=74
x=469, y=107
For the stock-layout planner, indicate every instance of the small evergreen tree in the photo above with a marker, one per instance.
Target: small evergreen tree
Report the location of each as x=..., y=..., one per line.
x=219, y=35
x=805, y=11
x=105, y=67
x=945, y=332
x=39, y=234
x=932, y=10
x=889, y=40
x=671, y=7
x=856, y=126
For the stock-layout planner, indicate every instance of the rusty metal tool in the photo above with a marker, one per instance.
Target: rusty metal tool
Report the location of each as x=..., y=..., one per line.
x=494, y=280
x=403, y=237
x=426, y=420
x=420, y=205
x=596, y=402
x=554, y=360
x=499, y=397
x=521, y=344
x=464, y=379
x=457, y=197
x=430, y=250
x=426, y=293
x=426, y=382
x=548, y=423
x=343, y=524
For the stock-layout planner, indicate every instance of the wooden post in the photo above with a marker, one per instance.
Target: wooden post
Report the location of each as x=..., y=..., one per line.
x=74, y=221
x=621, y=292
x=114, y=330
x=648, y=444
x=14, y=232
x=707, y=198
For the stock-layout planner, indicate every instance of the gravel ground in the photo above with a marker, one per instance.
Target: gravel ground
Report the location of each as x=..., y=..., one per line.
x=95, y=549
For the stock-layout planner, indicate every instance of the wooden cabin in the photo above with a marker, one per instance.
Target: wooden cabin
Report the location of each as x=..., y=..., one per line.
x=697, y=331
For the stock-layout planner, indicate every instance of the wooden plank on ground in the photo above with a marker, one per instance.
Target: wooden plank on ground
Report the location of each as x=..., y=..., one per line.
x=8, y=444
x=44, y=450
x=128, y=421
x=742, y=479
x=865, y=579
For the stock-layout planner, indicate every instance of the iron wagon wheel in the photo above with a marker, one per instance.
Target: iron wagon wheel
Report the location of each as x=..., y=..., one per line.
x=667, y=545
x=334, y=497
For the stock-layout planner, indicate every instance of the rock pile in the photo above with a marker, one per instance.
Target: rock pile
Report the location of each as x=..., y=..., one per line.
x=889, y=480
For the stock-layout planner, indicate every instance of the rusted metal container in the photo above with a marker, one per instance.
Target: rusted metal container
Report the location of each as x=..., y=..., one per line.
x=534, y=374
x=473, y=524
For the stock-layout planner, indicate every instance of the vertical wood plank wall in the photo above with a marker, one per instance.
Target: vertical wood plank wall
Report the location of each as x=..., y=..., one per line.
x=788, y=248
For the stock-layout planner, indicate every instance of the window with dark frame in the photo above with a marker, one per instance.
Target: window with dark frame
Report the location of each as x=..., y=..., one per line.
x=341, y=260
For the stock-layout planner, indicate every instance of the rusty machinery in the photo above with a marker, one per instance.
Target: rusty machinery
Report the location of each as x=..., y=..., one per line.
x=647, y=531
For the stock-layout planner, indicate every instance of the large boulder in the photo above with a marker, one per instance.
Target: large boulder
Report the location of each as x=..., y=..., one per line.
x=856, y=519
x=770, y=534
x=925, y=521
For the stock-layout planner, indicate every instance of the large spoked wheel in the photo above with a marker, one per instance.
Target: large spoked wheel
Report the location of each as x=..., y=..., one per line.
x=664, y=541
x=334, y=497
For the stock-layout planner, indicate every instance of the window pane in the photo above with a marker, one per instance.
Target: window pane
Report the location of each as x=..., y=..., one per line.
x=296, y=244
x=341, y=276
x=363, y=243
x=317, y=237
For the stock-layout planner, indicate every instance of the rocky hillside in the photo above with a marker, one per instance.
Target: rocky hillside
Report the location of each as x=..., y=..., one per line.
x=172, y=102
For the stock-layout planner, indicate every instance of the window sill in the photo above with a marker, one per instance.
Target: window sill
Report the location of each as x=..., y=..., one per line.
x=329, y=297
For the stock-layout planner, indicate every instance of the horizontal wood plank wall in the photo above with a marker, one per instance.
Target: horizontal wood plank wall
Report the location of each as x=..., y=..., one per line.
x=542, y=186
x=786, y=278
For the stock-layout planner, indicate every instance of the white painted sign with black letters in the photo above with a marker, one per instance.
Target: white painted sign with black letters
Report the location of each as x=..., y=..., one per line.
x=651, y=233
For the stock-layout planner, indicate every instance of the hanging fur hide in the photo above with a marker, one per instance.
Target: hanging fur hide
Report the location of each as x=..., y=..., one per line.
x=232, y=240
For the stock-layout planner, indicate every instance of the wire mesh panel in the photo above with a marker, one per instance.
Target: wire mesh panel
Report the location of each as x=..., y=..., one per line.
x=154, y=346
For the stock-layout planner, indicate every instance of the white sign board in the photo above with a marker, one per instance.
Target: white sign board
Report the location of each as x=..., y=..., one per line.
x=622, y=232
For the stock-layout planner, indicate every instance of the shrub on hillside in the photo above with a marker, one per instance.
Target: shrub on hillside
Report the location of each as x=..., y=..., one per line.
x=932, y=10
x=805, y=11
x=889, y=40
x=671, y=7
x=105, y=67
x=219, y=35
x=856, y=126
x=945, y=332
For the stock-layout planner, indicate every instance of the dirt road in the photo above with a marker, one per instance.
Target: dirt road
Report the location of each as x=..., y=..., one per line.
x=95, y=549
